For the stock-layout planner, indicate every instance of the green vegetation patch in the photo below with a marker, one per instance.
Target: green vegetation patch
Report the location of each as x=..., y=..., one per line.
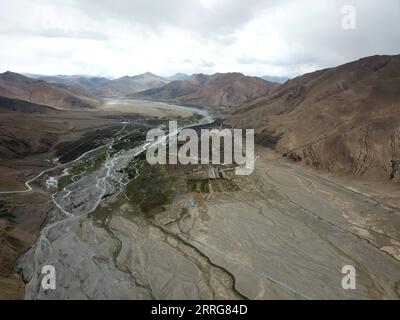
x=101, y=213
x=199, y=186
x=87, y=165
x=193, y=119
x=152, y=189
x=131, y=141
x=147, y=194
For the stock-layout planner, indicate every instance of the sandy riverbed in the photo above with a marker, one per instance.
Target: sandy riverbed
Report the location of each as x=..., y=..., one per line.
x=146, y=108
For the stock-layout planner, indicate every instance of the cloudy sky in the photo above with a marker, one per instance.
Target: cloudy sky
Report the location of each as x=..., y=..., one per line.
x=256, y=37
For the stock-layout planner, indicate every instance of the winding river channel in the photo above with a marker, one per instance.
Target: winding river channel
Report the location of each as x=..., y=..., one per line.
x=284, y=232
x=72, y=205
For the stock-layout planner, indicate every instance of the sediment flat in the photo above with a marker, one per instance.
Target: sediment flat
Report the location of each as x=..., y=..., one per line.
x=284, y=232
x=146, y=108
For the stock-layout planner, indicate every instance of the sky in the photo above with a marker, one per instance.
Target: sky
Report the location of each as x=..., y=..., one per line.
x=256, y=37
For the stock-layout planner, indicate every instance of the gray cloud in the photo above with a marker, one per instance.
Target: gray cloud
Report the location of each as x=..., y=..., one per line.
x=206, y=64
x=117, y=37
x=322, y=37
x=221, y=17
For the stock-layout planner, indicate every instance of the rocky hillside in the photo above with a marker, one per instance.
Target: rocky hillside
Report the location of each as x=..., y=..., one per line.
x=128, y=85
x=344, y=119
x=16, y=86
x=25, y=128
x=221, y=89
x=82, y=82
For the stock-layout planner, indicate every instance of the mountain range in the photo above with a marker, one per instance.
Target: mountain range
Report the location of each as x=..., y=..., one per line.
x=343, y=119
x=279, y=80
x=82, y=82
x=105, y=87
x=57, y=95
x=220, y=89
x=127, y=85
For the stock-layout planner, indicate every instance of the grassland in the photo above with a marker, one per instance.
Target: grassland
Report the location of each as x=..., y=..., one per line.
x=85, y=166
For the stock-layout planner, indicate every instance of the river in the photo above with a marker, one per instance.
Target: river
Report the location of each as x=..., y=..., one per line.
x=284, y=232
x=73, y=204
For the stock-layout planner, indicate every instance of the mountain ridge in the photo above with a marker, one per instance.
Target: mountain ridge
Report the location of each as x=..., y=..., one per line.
x=342, y=119
x=217, y=90
x=129, y=84
x=60, y=96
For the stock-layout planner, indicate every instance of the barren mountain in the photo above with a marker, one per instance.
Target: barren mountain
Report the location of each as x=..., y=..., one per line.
x=342, y=119
x=82, y=82
x=275, y=79
x=24, y=131
x=7, y=104
x=16, y=86
x=128, y=85
x=178, y=76
x=221, y=89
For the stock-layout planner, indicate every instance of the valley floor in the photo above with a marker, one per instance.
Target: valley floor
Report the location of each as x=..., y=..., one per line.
x=23, y=212
x=284, y=232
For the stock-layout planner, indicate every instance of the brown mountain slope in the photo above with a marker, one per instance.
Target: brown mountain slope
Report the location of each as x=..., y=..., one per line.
x=26, y=129
x=16, y=86
x=7, y=104
x=82, y=82
x=221, y=89
x=342, y=119
x=128, y=85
